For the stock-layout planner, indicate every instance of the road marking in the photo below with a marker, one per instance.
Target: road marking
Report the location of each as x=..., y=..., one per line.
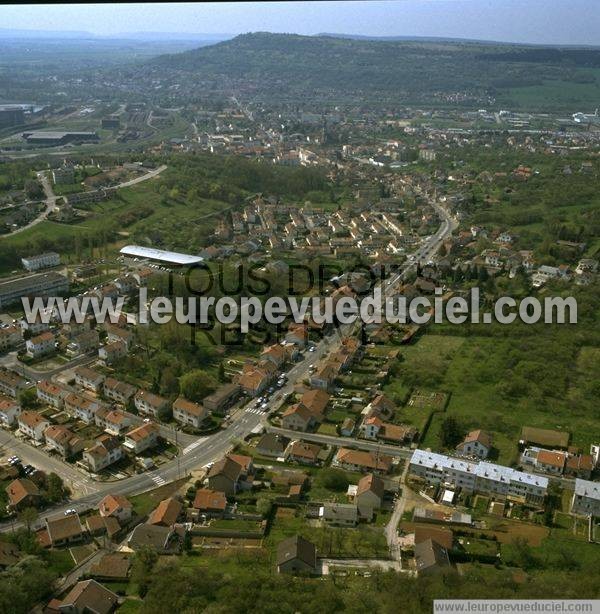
x=254, y=410
x=193, y=445
x=157, y=479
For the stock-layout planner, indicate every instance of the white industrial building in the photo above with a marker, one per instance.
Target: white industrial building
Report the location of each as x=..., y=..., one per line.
x=150, y=254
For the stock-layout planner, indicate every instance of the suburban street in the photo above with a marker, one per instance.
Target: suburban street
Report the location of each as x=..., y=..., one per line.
x=50, y=200
x=204, y=450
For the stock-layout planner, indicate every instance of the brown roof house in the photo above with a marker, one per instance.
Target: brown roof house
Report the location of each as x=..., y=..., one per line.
x=296, y=555
x=166, y=513
x=211, y=503
x=89, y=597
x=23, y=493
x=476, y=443
x=430, y=557
x=65, y=530
x=303, y=452
x=224, y=476
x=187, y=412
x=117, y=506
x=369, y=494
x=142, y=438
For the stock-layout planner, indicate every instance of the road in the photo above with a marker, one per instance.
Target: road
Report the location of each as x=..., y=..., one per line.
x=246, y=420
x=51, y=198
x=50, y=206
x=347, y=442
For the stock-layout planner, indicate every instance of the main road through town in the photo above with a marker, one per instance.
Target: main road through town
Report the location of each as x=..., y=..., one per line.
x=244, y=421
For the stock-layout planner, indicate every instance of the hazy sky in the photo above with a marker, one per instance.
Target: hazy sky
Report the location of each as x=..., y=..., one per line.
x=535, y=21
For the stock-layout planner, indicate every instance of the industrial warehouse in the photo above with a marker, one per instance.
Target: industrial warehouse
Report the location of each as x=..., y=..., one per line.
x=138, y=253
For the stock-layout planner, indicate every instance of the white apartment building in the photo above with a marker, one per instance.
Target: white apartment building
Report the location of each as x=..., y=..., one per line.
x=478, y=477
x=41, y=261
x=586, y=498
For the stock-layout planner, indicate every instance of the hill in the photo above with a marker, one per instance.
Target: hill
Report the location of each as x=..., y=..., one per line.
x=287, y=66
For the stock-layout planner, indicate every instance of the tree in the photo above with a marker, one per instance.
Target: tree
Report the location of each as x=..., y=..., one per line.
x=33, y=189
x=451, y=432
x=197, y=384
x=28, y=398
x=28, y=516
x=141, y=568
x=222, y=376
x=263, y=506
x=55, y=488
x=333, y=479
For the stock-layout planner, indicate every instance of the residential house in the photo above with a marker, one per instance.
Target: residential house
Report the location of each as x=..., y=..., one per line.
x=88, y=596
x=9, y=411
x=272, y=445
x=41, y=345
x=369, y=494
x=586, y=498
x=339, y=514
x=277, y=354
x=549, y=461
x=84, y=343
x=106, y=451
x=23, y=493
x=9, y=337
x=118, y=391
x=347, y=427
x=116, y=506
x=112, y=566
x=117, y=333
x=256, y=379
x=297, y=417
x=381, y=406
x=364, y=461
x=297, y=335
x=65, y=530
x=142, y=438
x=222, y=398
x=430, y=557
x=166, y=513
x=81, y=407
x=51, y=394
x=112, y=351
x=113, y=421
x=187, y=412
x=61, y=439
x=316, y=402
x=11, y=384
x=165, y=540
x=33, y=425
x=225, y=476
x=97, y=526
x=325, y=376
x=303, y=452
x=151, y=404
x=579, y=466
x=33, y=328
x=477, y=443
x=210, y=503
x=296, y=555
x=89, y=379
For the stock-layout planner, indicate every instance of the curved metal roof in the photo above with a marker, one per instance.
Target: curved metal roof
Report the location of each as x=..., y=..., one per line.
x=161, y=255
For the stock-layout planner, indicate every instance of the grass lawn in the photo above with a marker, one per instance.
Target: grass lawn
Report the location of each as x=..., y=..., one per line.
x=143, y=504
x=361, y=542
x=60, y=561
x=130, y=606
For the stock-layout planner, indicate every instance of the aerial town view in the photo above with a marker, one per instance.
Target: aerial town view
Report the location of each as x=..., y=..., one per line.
x=299, y=307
